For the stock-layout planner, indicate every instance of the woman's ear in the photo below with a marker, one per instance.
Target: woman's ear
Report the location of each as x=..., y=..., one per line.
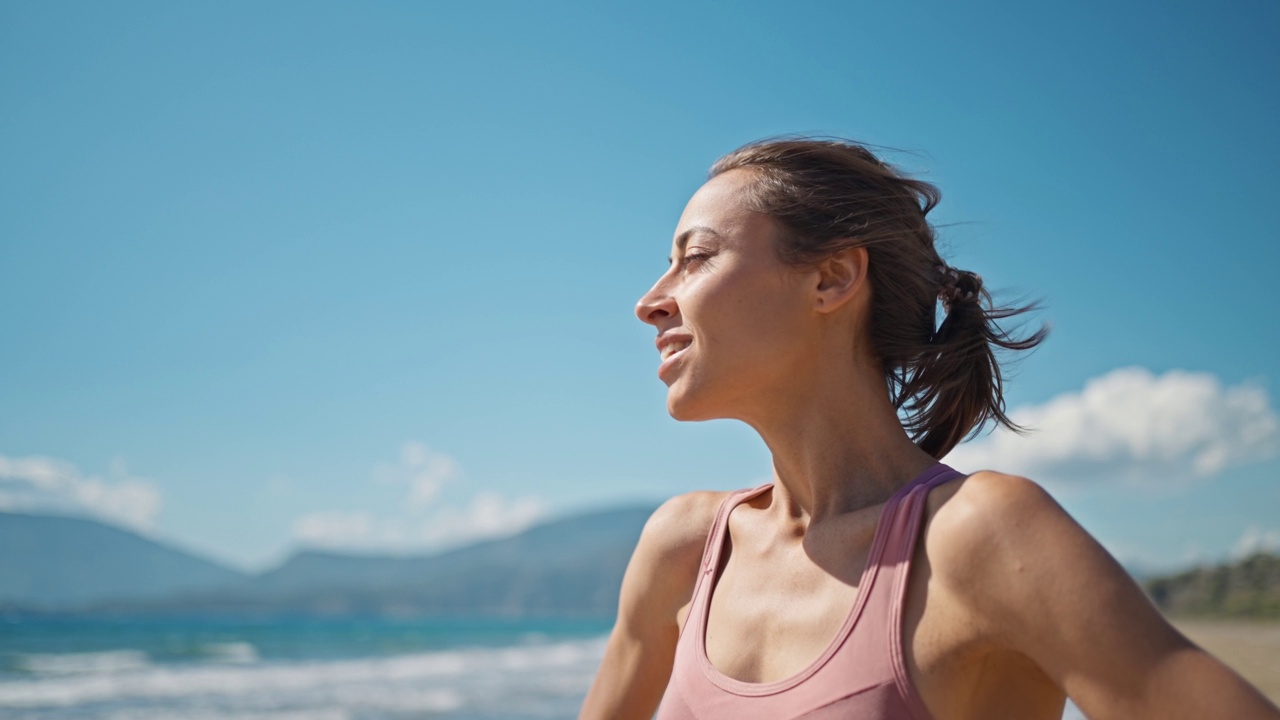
x=840, y=277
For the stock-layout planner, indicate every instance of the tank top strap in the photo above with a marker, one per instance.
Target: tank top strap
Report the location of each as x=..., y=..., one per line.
x=905, y=519
x=715, y=537
x=905, y=522
x=711, y=553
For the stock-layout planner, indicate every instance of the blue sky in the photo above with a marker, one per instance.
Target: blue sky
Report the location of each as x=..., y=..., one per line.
x=363, y=275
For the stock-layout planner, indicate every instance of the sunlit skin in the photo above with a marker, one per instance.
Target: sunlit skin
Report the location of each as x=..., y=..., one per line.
x=1010, y=605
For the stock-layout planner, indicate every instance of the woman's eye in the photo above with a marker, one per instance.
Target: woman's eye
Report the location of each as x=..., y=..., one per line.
x=694, y=257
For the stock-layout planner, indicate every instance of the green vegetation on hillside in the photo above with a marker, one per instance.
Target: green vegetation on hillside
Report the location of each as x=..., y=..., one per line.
x=1249, y=588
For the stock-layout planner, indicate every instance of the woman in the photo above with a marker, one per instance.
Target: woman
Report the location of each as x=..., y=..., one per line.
x=867, y=580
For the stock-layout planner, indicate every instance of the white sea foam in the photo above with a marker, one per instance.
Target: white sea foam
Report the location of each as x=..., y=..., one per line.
x=529, y=681
x=82, y=663
x=236, y=653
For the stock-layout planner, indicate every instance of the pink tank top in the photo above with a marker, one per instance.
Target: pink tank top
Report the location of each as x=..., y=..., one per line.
x=860, y=676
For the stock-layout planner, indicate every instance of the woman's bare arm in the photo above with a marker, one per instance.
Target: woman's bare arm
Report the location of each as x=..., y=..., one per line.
x=1046, y=589
x=658, y=583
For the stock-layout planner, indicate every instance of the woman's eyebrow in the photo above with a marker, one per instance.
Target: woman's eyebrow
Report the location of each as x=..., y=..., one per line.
x=682, y=239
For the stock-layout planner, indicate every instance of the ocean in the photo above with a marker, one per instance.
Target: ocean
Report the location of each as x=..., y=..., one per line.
x=296, y=669
x=299, y=669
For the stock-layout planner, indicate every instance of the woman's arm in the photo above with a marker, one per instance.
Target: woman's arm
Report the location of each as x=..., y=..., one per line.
x=658, y=584
x=1046, y=589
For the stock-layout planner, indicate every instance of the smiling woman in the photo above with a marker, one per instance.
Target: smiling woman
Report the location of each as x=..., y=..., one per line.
x=868, y=580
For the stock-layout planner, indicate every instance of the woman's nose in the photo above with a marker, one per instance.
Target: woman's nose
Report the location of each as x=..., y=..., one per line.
x=655, y=305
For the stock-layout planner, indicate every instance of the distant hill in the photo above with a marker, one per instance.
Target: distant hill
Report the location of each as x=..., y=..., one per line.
x=1249, y=588
x=571, y=566
x=49, y=562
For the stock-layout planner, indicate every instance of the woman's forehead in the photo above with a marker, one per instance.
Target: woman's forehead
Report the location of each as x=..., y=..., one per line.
x=729, y=188
x=719, y=207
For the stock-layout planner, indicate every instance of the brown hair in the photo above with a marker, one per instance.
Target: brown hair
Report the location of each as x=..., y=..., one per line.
x=830, y=195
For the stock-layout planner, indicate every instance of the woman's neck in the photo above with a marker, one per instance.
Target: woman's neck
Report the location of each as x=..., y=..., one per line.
x=837, y=445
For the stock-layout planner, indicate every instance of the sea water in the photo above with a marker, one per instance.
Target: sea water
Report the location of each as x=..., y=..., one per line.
x=299, y=669
x=296, y=669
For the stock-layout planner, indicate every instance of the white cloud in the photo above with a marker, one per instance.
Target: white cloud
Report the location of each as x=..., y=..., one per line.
x=1256, y=540
x=489, y=515
x=1134, y=425
x=424, y=473
x=43, y=484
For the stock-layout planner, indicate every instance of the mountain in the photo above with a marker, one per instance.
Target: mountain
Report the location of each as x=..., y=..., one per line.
x=571, y=566
x=49, y=562
x=1249, y=588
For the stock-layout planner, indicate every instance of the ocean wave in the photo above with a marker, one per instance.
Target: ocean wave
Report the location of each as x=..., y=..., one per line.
x=237, y=653
x=542, y=680
x=108, y=662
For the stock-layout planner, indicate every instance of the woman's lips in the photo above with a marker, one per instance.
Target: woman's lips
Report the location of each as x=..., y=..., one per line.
x=673, y=347
x=671, y=354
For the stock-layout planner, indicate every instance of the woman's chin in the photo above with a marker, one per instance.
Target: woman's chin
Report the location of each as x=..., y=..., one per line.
x=676, y=408
x=683, y=408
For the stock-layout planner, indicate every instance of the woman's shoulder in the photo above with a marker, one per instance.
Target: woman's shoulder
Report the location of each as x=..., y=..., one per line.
x=664, y=566
x=677, y=530
x=981, y=496
x=989, y=511
x=998, y=541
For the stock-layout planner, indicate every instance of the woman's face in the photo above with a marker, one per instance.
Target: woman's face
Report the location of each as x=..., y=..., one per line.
x=733, y=320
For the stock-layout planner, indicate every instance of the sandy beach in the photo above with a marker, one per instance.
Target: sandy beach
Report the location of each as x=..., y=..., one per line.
x=1250, y=648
